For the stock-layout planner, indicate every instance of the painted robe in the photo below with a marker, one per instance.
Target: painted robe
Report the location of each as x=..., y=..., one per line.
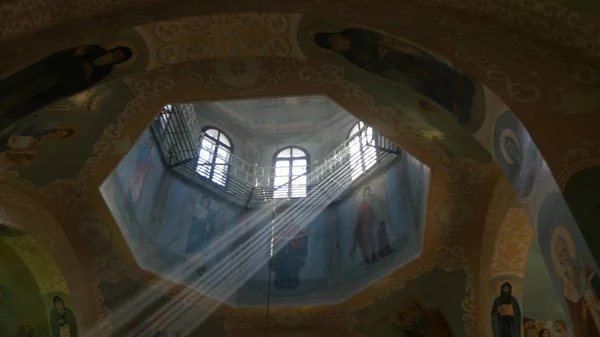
x=57, y=76
x=203, y=226
x=499, y=322
x=575, y=296
x=431, y=77
x=63, y=324
x=370, y=231
x=289, y=261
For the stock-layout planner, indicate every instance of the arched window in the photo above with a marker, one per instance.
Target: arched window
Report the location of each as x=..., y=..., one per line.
x=363, y=154
x=214, y=155
x=164, y=115
x=291, y=169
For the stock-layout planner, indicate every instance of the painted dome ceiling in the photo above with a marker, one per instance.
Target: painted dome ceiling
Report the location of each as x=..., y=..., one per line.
x=50, y=184
x=192, y=226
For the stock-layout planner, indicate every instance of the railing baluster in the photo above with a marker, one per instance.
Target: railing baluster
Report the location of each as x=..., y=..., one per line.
x=176, y=126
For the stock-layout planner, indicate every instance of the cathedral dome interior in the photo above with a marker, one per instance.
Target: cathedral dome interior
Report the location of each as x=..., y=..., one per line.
x=307, y=168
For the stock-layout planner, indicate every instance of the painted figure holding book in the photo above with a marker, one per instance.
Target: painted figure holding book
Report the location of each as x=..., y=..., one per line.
x=506, y=314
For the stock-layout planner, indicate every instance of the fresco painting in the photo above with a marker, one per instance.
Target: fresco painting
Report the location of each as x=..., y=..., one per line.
x=428, y=306
x=400, y=62
x=575, y=272
x=539, y=328
x=363, y=235
x=167, y=221
x=296, y=268
x=416, y=321
x=382, y=219
x=60, y=75
x=516, y=153
x=62, y=319
x=290, y=259
x=193, y=218
x=20, y=143
x=506, y=314
x=23, y=307
x=131, y=191
x=444, y=104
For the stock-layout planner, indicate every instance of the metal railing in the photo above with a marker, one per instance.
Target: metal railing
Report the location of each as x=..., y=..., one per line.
x=252, y=184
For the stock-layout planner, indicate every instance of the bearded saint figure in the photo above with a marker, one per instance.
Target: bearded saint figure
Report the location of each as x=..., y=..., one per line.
x=506, y=314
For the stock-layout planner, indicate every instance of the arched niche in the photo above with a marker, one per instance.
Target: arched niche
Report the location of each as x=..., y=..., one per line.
x=49, y=257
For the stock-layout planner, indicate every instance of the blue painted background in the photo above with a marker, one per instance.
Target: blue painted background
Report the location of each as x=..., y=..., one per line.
x=155, y=210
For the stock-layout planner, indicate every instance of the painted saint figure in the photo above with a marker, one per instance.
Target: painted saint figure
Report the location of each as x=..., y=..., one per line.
x=581, y=302
x=370, y=232
x=406, y=326
x=529, y=327
x=418, y=321
x=289, y=261
x=560, y=329
x=506, y=314
x=201, y=231
x=62, y=320
x=400, y=62
x=521, y=159
x=20, y=143
x=57, y=76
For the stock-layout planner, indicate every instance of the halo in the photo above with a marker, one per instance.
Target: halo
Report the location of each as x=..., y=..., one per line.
x=321, y=29
x=561, y=231
x=122, y=43
x=508, y=133
x=63, y=126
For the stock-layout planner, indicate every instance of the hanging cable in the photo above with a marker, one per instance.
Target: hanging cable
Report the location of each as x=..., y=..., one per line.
x=272, y=247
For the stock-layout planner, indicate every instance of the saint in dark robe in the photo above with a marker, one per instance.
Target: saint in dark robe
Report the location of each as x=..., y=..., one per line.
x=370, y=232
x=55, y=77
x=506, y=314
x=62, y=320
x=400, y=62
x=289, y=261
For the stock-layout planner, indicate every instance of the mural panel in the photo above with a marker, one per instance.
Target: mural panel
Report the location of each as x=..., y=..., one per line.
x=296, y=270
x=538, y=328
x=516, y=153
x=427, y=306
x=191, y=220
x=165, y=221
x=506, y=313
x=574, y=272
x=381, y=220
x=132, y=193
x=371, y=230
x=170, y=224
x=22, y=307
x=405, y=78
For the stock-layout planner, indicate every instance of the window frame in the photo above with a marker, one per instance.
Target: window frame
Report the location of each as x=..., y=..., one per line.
x=290, y=161
x=362, y=147
x=218, y=145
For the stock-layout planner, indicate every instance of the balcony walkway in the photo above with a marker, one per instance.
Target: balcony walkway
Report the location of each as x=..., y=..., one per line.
x=178, y=136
